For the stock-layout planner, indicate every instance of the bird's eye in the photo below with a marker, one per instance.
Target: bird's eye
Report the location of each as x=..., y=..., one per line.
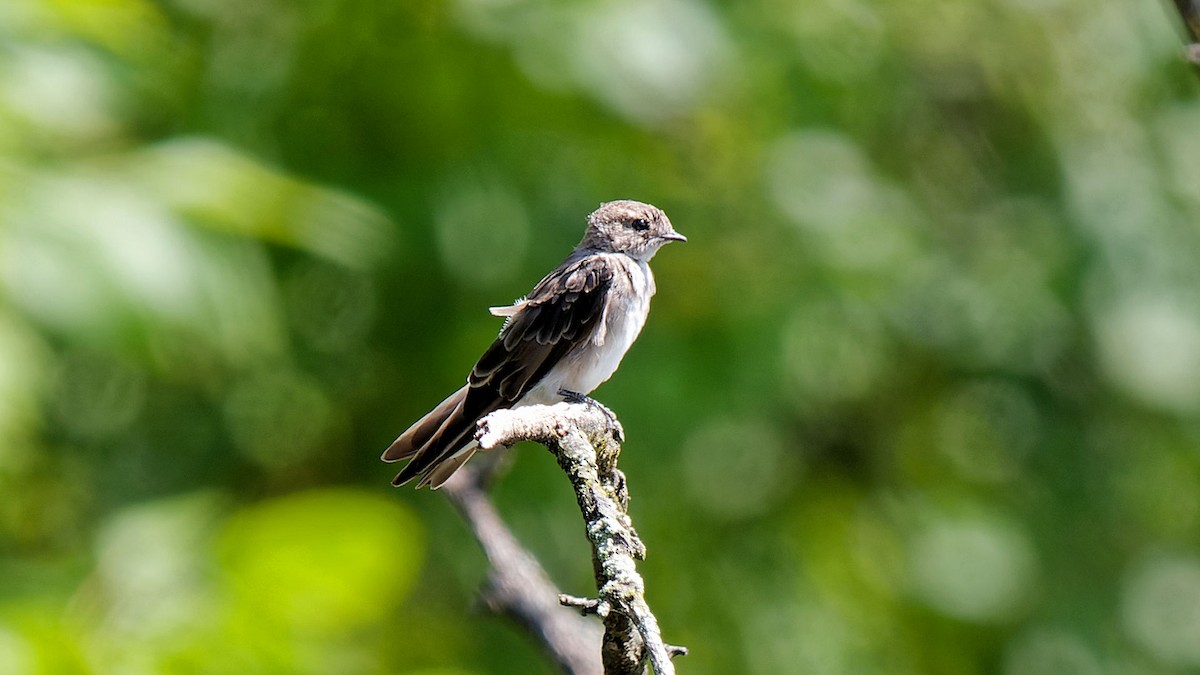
x=639, y=224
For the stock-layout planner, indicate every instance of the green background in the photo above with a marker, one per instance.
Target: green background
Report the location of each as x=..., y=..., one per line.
x=921, y=395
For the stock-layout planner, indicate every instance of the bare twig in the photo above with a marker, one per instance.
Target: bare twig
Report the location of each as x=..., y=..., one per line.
x=585, y=606
x=1189, y=11
x=517, y=586
x=583, y=437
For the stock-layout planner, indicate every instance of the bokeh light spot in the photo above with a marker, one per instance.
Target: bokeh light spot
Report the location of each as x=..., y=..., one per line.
x=1150, y=346
x=65, y=94
x=151, y=561
x=1160, y=604
x=822, y=181
x=1050, y=652
x=834, y=351
x=974, y=568
x=653, y=59
x=738, y=468
x=838, y=41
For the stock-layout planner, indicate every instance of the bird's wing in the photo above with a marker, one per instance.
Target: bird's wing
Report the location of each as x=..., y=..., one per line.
x=561, y=312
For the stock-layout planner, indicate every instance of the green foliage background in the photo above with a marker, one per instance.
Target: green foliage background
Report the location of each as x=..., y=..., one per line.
x=921, y=395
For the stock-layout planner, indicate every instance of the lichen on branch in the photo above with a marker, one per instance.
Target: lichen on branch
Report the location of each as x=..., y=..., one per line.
x=585, y=439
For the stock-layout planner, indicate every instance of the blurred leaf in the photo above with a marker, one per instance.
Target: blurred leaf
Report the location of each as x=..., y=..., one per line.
x=278, y=558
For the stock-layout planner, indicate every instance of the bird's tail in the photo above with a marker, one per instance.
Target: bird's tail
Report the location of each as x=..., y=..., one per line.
x=437, y=444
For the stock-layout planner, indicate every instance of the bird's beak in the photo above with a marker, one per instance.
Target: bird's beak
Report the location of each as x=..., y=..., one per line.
x=674, y=236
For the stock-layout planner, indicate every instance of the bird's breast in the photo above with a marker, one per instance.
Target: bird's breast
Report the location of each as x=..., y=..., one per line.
x=626, y=308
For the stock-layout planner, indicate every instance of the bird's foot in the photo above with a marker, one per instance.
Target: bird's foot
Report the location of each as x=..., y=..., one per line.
x=613, y=423
x=575, y=397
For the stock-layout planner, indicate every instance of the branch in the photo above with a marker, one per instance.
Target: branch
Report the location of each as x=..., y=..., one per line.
x=1189, y=11
x=584, y=439
x=517, y=586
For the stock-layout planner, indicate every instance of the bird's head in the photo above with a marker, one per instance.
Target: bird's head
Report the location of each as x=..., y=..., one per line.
x=633, y=228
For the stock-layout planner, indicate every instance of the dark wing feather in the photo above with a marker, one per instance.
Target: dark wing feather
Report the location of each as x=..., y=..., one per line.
x=560, y=313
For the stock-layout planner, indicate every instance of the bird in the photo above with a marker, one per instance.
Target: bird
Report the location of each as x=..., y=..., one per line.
x=558, y=343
